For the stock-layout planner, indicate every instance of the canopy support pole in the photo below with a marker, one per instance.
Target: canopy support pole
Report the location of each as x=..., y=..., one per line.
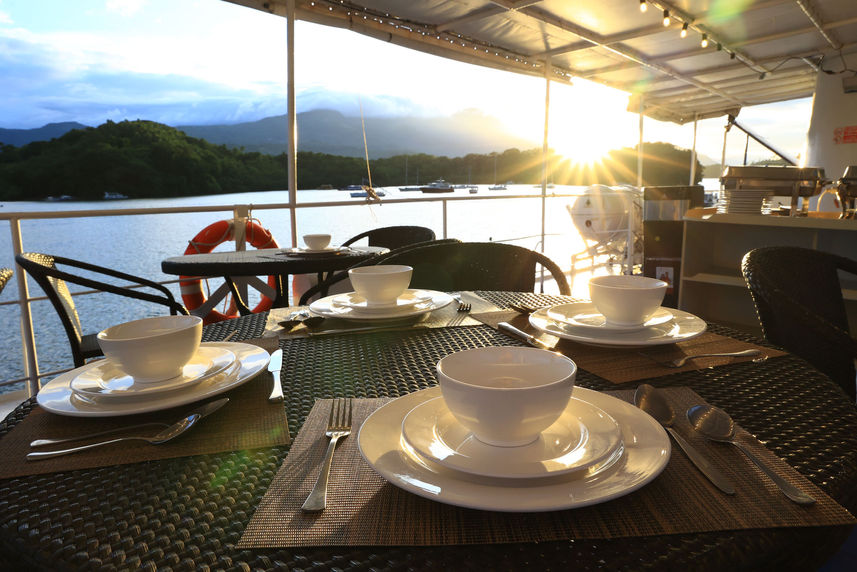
x=723, y=152
x=693, y=152
x=640, y=148
x=292, y=134
x=545, y=150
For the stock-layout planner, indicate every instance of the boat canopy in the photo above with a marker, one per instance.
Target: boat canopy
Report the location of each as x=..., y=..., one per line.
x=681, y=60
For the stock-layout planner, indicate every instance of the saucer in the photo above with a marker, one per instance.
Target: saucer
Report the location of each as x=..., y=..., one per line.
x=682, y=326
x=58, y=397
x=329, y=308
x=583, y=437
x=586, y=315
x=645, y=453
x=106, y=380
x=409, y=299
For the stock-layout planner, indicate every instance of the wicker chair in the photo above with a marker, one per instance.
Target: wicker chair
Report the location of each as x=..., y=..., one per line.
x=44, y=270
x=394, y=236
x=475, y=266
x=5, y=276
x=798, y=298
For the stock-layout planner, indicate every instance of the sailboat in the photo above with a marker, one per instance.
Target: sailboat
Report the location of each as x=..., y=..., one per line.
x=495, y=186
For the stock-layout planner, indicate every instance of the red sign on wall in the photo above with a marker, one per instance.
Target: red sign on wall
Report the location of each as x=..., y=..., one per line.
x=845, y=134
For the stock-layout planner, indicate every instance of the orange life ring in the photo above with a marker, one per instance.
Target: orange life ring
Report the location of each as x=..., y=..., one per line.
x=207, y=240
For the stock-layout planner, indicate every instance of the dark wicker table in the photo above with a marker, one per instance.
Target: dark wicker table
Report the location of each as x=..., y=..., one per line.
x=189, y=513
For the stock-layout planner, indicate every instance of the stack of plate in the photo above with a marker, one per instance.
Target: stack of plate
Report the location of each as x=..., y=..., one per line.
x=102, y=389
x=350, y=306
x=582, y=322
x=743, y=201
x=599, y=449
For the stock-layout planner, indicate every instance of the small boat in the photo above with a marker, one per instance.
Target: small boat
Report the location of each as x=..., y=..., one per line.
x=352, y=188
x=497, y=188
x=408, y=189
x=364, y=194
x=438, y=186
x=113, y=195
x=473, y=189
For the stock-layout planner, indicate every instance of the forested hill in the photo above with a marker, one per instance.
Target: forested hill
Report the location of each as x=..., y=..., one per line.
x=143, y=159
x=135, y=158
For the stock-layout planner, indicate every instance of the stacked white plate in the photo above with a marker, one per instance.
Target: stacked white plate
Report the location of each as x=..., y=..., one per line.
x=309, y=252
x=102, y=389
x=581, y=322
x=599, y=449
x=350, y=306
x=743, y=201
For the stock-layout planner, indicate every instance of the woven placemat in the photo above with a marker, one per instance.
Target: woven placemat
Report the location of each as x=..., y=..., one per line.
x=621, y=364
x=248, y=421
x=363, y=509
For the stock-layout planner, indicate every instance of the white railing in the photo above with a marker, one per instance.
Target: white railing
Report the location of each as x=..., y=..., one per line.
x=32, y=374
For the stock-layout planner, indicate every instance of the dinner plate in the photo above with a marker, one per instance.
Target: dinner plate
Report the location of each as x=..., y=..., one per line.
x=57, y=396
x=583, y=437
x=330, y=308
x=329, y=251
x=586, y=315
x=682, y=326
x=645, y=453
x=408, y=300
x=104, y=379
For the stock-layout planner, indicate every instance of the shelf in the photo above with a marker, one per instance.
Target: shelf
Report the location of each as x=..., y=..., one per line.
x=719, y=279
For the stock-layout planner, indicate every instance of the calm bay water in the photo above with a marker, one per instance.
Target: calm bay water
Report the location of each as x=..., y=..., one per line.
x=137, y=244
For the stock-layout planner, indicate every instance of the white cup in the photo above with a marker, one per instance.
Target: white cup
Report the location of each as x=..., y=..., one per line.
x=506, y=395
x=627, y=300
x=152, y=349
x=316, y=241
x=380, y=285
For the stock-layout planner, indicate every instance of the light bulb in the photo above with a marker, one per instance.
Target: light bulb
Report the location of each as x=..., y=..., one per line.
x=704, y=42
x=666, y=18
x=684, y=30
x=643, y=6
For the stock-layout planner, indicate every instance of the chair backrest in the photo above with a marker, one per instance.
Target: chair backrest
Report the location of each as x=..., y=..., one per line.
x=798, y=299
x=394, y=236
x=475, y=266
x=44, y=270
x=5, y=276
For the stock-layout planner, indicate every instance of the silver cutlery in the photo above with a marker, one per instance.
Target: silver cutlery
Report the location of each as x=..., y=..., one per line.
x=530, y=339
x=682, y=360
x=717, y=425
x=229, y=336
x=654, y=402
x=43, y=442
x=274, y=366
x=338, y=426
x=462, y=305
x=168, y=434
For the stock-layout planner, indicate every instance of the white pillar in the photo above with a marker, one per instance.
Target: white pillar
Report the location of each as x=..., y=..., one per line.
x=292, y=120
x=640, y=148
x=545, y=146
x=693, y=151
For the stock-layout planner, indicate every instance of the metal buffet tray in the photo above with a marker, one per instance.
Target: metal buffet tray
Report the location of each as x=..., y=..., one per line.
x=847, y=190
x=795, y=182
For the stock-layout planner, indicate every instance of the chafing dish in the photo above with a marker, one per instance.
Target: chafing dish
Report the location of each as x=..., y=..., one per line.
x=846, y=188
x=795, y=182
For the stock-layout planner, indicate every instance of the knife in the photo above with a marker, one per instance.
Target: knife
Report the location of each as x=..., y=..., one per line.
x=532, y=340
x=274, y=366
x=206, y=409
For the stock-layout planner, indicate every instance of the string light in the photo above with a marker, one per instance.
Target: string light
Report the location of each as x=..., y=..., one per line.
x=704, y=42
x=684, y=30
x=643, y=6
x=666, y=18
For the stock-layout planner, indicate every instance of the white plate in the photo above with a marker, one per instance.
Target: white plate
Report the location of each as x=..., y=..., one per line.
x=682, y=326
x=583, y=437
x=321, y=252
x=57, y=396
x=403, y=303
x=645, y=454
x=586, y=315
x=104, y=379
x=329, y=308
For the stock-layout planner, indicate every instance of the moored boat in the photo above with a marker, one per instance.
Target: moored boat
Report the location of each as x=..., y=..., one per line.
x=438, y=186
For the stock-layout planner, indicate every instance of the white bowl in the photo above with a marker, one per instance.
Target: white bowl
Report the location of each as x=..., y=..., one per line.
x=627, y=300
x=506, y=395
x=316, y=241
x=152, y=349
x=382, y=284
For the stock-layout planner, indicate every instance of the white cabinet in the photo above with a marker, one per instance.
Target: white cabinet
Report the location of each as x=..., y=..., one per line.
x=711, y=283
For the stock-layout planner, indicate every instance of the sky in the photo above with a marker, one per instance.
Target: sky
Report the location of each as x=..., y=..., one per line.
x=192, y=62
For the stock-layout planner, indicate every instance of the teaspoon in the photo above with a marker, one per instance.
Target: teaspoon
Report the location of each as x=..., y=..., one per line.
x=717, y=425
x=652, y=401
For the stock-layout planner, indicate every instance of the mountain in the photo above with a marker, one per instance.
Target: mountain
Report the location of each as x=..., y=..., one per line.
x=20, y=137
x=329, y=131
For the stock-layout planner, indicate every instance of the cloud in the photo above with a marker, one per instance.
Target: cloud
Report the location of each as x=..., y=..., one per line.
x=125, y=8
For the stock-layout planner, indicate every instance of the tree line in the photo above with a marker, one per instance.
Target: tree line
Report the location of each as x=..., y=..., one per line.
x=144, y=159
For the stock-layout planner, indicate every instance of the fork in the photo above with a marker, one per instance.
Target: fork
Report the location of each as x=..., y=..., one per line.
x=338, y=426
x=682, y=360
x=462, y=305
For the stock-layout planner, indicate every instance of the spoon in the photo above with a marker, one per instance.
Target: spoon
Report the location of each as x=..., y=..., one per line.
x=653, y=402
x=682, y=360
x=717, y=425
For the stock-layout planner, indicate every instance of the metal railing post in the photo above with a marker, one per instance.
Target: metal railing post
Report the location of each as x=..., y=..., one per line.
x=28, y=340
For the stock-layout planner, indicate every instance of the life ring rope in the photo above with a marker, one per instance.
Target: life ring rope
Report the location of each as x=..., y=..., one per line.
x=206, y=241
